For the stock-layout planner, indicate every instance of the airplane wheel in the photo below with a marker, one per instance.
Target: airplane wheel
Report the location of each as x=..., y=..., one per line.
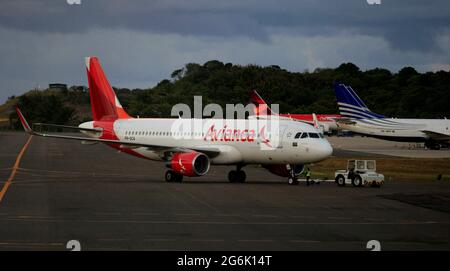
x=172, y=176
x=432, y=145
x=179, y=178
x=357, y=181
x=169, y=176
x=340, y=180
x=241, y=176
x=292, y=181
x=232, y=176
x=235, y=176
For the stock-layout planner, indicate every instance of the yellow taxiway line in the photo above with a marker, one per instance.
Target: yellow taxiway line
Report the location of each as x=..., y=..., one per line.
x=14, y=169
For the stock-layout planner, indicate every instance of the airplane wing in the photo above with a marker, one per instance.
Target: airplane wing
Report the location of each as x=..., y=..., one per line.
x=206, y=150
x=335, y=118
x=345, y=121
x=437, y=136
x=96, y=131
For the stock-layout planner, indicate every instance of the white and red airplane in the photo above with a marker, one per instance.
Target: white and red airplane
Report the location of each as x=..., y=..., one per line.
x=191, y=152
x=325, y=123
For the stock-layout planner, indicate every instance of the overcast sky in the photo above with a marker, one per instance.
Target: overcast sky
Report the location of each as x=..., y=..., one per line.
x=141, y=42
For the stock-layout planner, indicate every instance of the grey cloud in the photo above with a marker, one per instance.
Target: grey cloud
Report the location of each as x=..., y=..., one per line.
x=142, y=42
x=139, y=59
x=406, y=24
x=140, y=15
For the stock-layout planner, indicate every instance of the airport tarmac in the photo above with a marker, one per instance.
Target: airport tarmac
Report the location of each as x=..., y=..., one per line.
x=107, y=200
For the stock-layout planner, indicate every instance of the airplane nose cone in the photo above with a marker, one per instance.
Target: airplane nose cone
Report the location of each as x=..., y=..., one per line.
x=328, y=149
x=325, y=150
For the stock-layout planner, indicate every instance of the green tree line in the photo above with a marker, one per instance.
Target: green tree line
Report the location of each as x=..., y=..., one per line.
x=406, y=93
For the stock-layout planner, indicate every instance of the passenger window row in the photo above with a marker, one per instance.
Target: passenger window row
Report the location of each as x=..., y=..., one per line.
x=161, y=133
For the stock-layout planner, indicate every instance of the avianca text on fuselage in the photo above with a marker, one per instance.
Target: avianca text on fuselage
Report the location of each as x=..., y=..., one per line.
x=227, y=134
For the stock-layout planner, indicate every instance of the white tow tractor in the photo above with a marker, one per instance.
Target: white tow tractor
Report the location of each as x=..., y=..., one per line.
x=359, y=173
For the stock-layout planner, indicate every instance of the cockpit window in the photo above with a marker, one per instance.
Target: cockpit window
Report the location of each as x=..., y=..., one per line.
x=298, y=135
x=321, y=135
x=313, y=135
x=304, y=135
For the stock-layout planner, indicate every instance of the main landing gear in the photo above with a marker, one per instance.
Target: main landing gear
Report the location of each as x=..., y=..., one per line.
x=173, y=177
x=432, y=145
x=292, y=180
x=237, y=176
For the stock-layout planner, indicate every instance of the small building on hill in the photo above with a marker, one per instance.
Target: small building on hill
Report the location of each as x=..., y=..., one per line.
x=58, y=86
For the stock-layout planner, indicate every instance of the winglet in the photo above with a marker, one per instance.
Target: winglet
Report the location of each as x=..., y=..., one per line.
x=24, y=121
x=315, y=121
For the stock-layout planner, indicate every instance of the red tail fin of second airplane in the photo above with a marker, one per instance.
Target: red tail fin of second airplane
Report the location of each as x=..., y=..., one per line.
x=104, y=103
x=261, y=106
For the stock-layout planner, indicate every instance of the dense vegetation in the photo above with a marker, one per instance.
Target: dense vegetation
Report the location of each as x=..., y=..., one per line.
x=403, y=94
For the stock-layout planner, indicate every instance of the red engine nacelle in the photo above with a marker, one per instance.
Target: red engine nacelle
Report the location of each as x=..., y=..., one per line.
x=190, y=164
x=283, y=170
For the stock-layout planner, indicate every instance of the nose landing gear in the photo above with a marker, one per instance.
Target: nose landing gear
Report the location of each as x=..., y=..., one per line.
x=292, y=180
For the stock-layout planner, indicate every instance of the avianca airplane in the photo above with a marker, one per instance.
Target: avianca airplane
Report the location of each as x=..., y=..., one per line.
x=323, y=122
x=358, y=118
x=190, y=152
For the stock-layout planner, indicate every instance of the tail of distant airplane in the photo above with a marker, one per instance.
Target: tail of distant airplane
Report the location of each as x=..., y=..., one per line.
x=350, y=105
x=261, y=107
x=104, y=102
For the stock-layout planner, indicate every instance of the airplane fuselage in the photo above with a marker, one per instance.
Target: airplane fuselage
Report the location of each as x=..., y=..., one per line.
x=407, y=130
x=239, y=141
x=327, y=122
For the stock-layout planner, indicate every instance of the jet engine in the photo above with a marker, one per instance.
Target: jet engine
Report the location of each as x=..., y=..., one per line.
x=190, y=164
x=284, y=170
